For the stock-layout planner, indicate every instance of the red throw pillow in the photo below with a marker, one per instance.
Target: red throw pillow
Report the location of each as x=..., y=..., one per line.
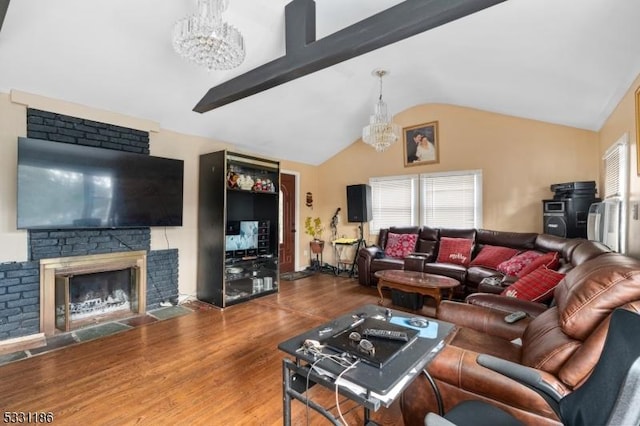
x=400, y=245
x=536, y=286
x=517, y=263
x=492, y=256
x=550, y=260
x=455, y=250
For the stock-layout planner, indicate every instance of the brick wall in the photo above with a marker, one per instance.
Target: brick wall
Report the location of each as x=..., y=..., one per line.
x=45, y=244
x=19, y=299
x=20, y=281
x=63, y=128
x=162, y=276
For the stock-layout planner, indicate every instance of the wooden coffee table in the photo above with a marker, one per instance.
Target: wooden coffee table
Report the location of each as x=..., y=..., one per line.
x=415, y=282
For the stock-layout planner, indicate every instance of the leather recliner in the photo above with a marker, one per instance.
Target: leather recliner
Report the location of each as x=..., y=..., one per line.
x=563, y=343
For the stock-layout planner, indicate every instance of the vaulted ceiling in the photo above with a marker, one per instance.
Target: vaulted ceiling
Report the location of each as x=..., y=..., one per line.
x=561, y=61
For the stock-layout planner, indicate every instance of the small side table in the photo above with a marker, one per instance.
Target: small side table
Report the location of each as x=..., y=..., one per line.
x=340, y=246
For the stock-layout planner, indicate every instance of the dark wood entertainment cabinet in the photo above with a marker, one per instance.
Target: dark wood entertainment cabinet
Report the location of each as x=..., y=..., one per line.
x=238, y=195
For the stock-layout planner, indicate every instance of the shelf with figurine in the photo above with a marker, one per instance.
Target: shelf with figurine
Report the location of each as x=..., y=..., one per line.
x=245, y=182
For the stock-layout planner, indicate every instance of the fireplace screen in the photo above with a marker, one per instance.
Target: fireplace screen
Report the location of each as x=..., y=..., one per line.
x=86, y=299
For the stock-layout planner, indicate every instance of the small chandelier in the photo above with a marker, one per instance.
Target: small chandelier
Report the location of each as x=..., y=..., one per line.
x=204, y=38
x=381, y=131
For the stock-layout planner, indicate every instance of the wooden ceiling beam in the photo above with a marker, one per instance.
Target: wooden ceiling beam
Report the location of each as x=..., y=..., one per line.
x=305, y=55
x=4, y=5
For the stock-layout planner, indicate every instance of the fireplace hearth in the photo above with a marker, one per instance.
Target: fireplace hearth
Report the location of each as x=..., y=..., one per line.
x=84, y=290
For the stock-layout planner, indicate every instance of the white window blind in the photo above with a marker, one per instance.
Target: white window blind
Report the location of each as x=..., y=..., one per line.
x=616, y=190
x=393, y=201
x=615, y=171
x=451, y=200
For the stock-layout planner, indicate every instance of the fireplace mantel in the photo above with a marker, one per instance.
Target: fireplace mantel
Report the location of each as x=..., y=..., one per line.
x=77, y=265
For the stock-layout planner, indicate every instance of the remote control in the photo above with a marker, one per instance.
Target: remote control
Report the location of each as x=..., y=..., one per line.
x=515, y=317
x=386, y=334
x=492, y=280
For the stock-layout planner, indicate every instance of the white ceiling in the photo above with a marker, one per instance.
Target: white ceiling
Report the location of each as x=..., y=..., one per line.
x=560, y=61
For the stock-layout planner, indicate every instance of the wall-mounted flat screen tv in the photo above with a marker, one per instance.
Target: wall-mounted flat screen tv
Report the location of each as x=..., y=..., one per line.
x=68, y=186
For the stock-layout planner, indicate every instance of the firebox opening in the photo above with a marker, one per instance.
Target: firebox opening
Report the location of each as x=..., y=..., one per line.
x=86, y=299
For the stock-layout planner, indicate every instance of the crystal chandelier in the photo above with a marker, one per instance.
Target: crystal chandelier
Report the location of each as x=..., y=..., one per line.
x=207, y=40
x=381, y=131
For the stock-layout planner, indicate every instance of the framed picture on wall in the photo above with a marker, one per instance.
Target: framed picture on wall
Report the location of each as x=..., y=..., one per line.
x=638, y=130
x=421, y=144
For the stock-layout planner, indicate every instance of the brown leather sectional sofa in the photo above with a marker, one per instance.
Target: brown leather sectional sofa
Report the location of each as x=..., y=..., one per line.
x=372, y=259
x=563, y=341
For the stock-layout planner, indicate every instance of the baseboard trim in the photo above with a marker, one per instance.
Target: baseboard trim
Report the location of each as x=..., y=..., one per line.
x=22, y=343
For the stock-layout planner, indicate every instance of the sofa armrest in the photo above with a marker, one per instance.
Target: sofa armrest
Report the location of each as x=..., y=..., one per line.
x=479, y=318
x=528, y=376
x=371, y=252
x=364, y=257
x=506, y=304
x=428, y=257
x=414, y=262
x=458, y=374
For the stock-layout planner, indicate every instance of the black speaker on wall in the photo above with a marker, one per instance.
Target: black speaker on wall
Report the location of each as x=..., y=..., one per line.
x=359, y=203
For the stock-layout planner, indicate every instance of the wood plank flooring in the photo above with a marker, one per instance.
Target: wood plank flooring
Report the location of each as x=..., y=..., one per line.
x=211, y=367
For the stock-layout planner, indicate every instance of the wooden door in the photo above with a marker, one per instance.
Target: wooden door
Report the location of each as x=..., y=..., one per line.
x=288, y=245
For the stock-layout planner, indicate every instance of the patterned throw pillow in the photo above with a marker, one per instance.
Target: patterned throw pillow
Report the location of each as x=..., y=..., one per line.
x=517, y=263
x=400, y=245
x=455, y=250
x=492, y=256
x=536, y=286
x=551, y=260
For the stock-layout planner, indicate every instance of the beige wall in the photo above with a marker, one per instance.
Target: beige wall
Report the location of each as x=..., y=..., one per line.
x=621, y=121
x=13, y=123
x=519, y=159
x=169, y=144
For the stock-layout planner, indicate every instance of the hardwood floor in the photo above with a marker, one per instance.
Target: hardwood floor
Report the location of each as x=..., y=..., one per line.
x=209, y=367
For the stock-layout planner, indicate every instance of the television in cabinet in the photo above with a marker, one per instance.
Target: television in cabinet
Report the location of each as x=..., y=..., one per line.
x=238, y=211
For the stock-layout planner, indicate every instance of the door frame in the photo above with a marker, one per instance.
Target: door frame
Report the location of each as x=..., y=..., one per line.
x=296, y=238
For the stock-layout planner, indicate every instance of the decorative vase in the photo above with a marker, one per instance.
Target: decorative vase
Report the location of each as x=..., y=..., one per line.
x=317, y=246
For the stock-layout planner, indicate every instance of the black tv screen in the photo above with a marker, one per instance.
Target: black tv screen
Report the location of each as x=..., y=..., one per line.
x=63, y=185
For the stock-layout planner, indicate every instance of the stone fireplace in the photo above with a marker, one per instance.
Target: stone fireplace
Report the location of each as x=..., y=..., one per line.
x=24, y=312
x=79, y=291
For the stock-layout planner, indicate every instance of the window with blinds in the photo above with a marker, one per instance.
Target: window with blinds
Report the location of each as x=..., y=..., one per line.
x=394, y=201
x=616, y=192
x=615, y=170
x=446, y=200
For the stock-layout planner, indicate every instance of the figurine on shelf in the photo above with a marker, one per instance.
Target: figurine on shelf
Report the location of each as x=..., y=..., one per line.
x=269, y=186
x=258, y=185
x=232, y=180
x=245, y=182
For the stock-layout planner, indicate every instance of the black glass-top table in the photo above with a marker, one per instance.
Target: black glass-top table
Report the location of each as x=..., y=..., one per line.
x=367, y=384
